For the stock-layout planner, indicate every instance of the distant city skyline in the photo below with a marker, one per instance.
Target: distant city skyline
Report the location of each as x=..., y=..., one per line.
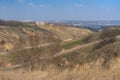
x=37, y=10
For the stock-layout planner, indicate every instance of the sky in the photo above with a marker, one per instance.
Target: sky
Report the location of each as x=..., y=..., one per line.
x=37, y=10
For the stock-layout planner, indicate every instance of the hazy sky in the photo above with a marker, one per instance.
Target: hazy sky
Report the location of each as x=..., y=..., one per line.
x=60, y=9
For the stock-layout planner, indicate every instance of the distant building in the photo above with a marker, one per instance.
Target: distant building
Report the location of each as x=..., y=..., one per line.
x=40, y=23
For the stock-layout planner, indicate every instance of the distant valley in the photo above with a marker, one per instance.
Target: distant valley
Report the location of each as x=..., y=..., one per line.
x=93, y=25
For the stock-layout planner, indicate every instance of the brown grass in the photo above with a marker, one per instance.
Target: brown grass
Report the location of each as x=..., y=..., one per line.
x=86, y=74
x=89, y=71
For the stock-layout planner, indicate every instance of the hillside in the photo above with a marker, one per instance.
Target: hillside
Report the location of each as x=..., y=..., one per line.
x=58, y=53
x=16, y=35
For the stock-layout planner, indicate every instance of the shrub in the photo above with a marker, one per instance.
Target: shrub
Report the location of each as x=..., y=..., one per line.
x=109, y=33
x=104, y=42
x=28, y=58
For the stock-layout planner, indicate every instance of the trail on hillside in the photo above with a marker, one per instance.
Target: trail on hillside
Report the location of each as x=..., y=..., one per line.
x=75, y=48
x=29, y=47
x=59, y=53
x=42, y=45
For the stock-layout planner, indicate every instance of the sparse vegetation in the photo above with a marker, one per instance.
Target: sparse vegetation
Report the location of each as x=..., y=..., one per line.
x=109, y=33
x=67, y=45
x=33, y=52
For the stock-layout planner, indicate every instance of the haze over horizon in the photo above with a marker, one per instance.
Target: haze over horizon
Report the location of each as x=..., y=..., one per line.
x=60, y=9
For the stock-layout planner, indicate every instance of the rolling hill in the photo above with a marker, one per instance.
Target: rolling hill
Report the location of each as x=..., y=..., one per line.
x=58, y=52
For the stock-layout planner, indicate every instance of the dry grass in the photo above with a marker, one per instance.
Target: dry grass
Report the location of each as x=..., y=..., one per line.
x=86, y=74
x=83, y=64
x=89, y=71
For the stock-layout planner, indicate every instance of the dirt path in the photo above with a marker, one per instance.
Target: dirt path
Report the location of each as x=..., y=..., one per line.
x=29, y=47
x=42, y=45
x=75, y=48
x=59, y=53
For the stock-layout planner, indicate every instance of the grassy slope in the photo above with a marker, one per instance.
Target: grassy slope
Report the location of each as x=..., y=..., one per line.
x=106, y=49
x=14, y=34
x=66, y=33
x=85, y=59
